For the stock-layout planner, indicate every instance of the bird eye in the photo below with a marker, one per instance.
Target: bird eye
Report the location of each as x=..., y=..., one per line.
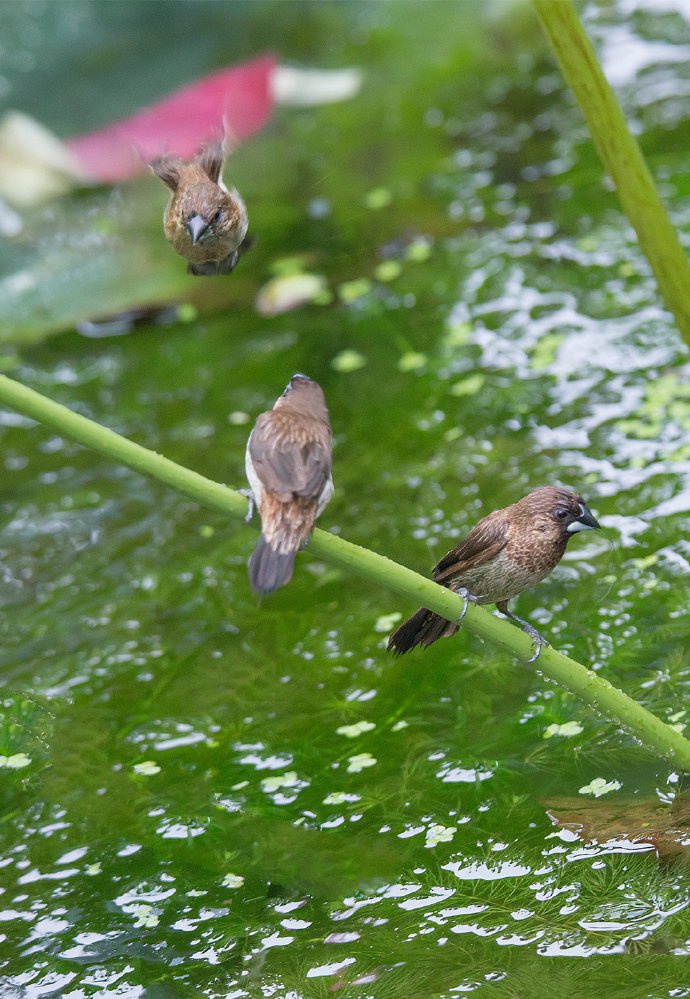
x=560, y=513
x=217, y=216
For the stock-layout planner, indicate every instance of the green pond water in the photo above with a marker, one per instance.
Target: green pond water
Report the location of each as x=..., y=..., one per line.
x=204, y=795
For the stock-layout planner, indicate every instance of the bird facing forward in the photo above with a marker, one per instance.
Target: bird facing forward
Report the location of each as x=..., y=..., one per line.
x=288, y=464
x=205, y=222
x=507, y=552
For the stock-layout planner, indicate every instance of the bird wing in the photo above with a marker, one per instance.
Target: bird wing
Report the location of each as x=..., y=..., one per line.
x=210, y=158
x=483, y=543
x=290, y=463
x=168, y=169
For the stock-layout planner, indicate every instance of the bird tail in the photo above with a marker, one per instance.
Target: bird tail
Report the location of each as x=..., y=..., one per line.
x=423, y=628
x=269, y=568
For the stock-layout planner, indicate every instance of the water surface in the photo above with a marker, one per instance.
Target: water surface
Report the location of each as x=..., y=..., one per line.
x=207, y=796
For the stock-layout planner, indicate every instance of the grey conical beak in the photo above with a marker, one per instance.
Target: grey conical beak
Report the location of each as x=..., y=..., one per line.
x=585, y=522
x=297, y=379
x=196, y=227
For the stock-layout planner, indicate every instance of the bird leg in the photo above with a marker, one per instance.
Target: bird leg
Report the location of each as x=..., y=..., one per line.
x=537, y=640
x=251, y=505
x=466, y=598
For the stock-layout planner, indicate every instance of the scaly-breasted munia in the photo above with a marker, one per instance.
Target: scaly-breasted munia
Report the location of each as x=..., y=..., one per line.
x=288, y=464
x=507, y=552
x=205, y=222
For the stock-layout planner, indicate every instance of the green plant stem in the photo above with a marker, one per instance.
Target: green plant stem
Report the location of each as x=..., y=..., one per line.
x=621, y=155
x=377, y=569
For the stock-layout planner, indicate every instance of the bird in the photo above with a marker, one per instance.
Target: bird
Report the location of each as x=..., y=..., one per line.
x=288, y=465
x=505, y=553
x=204, y=221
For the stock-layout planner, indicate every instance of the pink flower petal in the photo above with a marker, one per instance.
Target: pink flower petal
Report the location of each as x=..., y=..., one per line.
x=181, y=122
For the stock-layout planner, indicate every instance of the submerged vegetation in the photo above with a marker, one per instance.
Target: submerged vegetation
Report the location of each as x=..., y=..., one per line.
x=203, y=794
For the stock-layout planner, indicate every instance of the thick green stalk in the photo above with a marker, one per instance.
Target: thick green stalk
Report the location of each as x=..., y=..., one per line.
x=378, y=569
x=621, y=155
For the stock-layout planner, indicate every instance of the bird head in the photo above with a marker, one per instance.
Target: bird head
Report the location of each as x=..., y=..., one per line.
x=558, y=513
x=304, y=395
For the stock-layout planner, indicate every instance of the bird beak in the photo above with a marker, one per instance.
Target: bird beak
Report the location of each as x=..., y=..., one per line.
x=585, y=522
x=196, y=227
x=295, y=380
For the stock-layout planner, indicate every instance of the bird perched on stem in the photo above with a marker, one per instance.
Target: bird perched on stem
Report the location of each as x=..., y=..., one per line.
x=507, y=552
x=288, y=464
x=205, y=222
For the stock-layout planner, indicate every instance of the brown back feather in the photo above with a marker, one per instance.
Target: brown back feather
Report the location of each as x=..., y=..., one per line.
x=291, y=461
x=483, y=543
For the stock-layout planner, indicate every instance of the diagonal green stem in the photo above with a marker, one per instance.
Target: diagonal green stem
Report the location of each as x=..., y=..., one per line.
x=621, y=155
x=382, y=571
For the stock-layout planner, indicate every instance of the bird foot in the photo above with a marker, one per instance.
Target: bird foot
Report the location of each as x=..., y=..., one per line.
x=251, y=506
x=538, y=641
x=467, y=598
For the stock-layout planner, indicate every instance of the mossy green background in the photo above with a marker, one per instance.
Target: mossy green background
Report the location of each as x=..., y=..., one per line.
x=190, y=821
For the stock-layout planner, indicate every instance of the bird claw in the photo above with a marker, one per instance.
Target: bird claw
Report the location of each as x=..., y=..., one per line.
x=537, y=641
x=467, y=599
x=251, y=506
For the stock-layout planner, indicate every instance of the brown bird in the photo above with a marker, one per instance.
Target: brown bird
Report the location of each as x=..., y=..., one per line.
x=205, y=222
x=507, y=552
x=288, y=464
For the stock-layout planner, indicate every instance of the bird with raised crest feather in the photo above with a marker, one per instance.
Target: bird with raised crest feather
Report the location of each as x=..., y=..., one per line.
x=506, y=552
x=204, y=221
x=288, y=465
